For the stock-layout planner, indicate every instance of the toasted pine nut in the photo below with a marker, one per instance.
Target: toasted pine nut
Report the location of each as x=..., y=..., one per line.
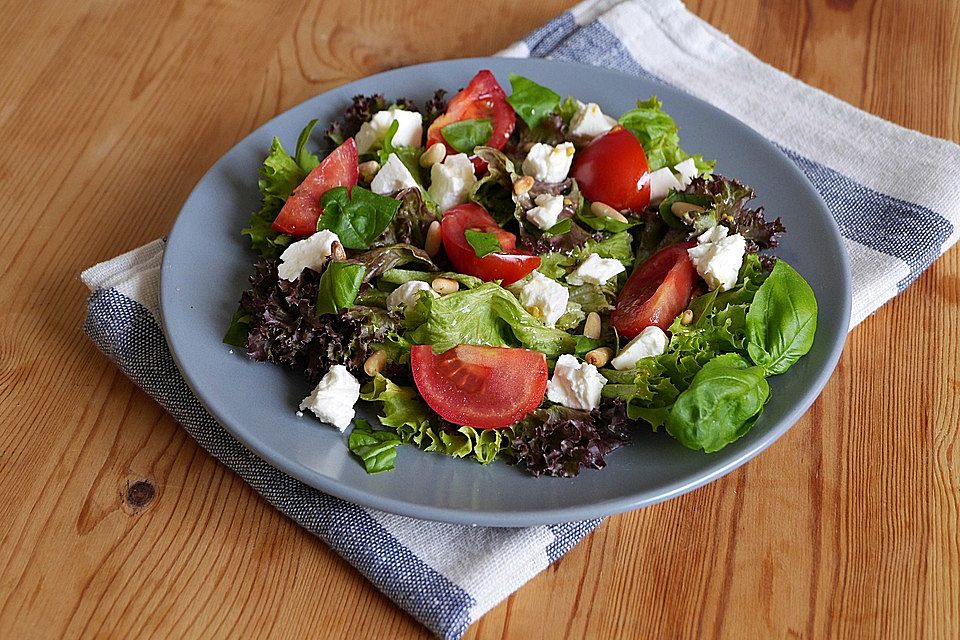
x=603, y=210
x=535, y=311
x=522, y=185
x=435, y=153
x=375, y=363
x=681, y=209
x=444, y=286
x=337, y=252
x=432, y=243
x=591, y=328
x=368, y=169
x=687, y=317
x=599, y=357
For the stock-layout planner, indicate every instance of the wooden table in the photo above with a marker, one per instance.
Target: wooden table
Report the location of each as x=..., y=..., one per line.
x=109, y=114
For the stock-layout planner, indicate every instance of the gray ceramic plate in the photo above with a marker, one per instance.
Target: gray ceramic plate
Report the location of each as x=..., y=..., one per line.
x=207, y=262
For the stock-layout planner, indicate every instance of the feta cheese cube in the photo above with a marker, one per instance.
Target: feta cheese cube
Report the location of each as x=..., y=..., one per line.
x=451, y=180
x=661, y=182
x=718, y=257
x=392, y=177
x=575, y=385
x=595, y=270
x=310, y=252
x=546, y=295
x=409, y=129
x=547, y=163
x=589, y=122
x=664, y=179
x=334, y=397
x=652, y=341
x=407, y=294
x=547, y=211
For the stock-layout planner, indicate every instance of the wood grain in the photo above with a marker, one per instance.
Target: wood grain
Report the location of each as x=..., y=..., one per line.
x=111, y=111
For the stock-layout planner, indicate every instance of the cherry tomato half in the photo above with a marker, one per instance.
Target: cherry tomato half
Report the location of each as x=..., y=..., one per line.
x=508, y=266
x=613, y=169
x=482, y=99
x=657, y=292
x=478, y=386
x=300, y=212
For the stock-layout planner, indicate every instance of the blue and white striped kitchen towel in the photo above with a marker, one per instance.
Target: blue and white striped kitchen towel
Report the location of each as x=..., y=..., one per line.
x=894, y=192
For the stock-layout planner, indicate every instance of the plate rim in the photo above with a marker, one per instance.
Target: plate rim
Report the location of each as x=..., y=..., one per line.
x=529, y=517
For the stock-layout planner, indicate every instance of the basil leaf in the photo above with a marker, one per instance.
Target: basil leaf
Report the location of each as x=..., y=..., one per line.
x=603, y=223
x=377, y=449
x=387, y=146
x=467, y=134
x=339, y=286
x=357, y=217
x=721, y=405
x=483, y=243
x=782, y=320
x=563, y=226
x=531, y=101
x=568, y=108
x=307, y=161
x=238, y=330
x=659, y=136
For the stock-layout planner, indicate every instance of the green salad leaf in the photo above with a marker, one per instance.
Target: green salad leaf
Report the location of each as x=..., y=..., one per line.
x=279, y=176
x=377, y=449
x=483, y=243
x=400, y=276
x=531, y=101
x=782, y=320
x=339, y=286
x=467, y=134
x=659, y=136
x=306, y=160
x=236, y=335
x=358, y=217
x=486, y=315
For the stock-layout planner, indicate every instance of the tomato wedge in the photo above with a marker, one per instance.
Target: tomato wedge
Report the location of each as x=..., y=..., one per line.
x=478, y=386
x=508, y=266
x=657, y=292
x=300, y=212
x=613, y=169
x=482, y=99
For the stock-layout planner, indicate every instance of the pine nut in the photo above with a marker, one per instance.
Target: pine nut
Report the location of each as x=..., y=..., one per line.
x=434, y=154
x=368, y=169
x=535, y=311
x=602, y=210
x=599, y=357
x=432, y=243
x=375, y=363
x=522, y=185
x=445, y=286
x=687, y=317
x=682, y=209
x=591, y=328
x=337, y=252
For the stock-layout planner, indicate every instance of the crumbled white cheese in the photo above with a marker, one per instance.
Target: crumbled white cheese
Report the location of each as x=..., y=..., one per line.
x=589, y=122
x=576, y=385
x=652, y=341
x=595, y=270
x=718, y=257
x=664, y=179
x=334, y=397
x=392, y=177
x=406, y=295
x=409, y=129
x=451, y=180
x=309, y=252
x=547, y=163
x=547, y=211
x=546, y=295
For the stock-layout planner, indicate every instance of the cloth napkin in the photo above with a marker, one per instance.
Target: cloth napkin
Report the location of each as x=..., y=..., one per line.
x=894, y=192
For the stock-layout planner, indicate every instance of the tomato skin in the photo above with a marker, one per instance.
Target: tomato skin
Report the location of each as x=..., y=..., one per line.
x=656, y=292
x=480, y=386
x=508, y=266
x=481, y=99
x=613, y=169
x=302, y=210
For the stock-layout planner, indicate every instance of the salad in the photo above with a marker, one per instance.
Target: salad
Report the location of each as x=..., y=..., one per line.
x=519, y=277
